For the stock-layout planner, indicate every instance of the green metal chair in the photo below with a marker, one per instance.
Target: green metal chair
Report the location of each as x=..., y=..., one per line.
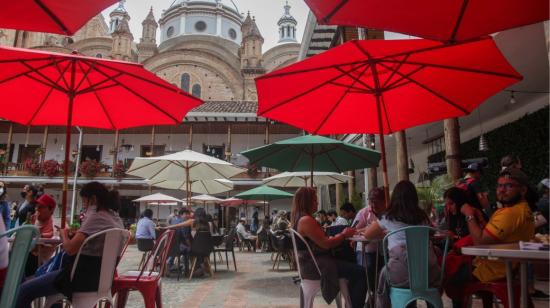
x=25, y=239
x=418, y=245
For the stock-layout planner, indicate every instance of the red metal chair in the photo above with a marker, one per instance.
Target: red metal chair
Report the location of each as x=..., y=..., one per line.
x=497, y=288
x=147, y=282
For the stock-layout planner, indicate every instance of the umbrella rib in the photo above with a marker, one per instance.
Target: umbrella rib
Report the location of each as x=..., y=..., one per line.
x=459, y=20
x=61, y=73
x=357, y=78
x=396, y=69
x=386, y=113
x=23, y=60
x=143, y=98
x=333, y=162
x=216, y=171
x=286, y=101
x=463, y=69
x=268, y=154
x=307, y=70
x=145, y=165
x=85, y=77
x=24, y=73
x=445, y=99
x=48, y=82
x=430, y=48
x=40, y=106
x=357, y=89
x=205, y=188
x=340, y=100
x=53, y=17
x=113, y=126
x=335, y=10
x=366, y=158
x=158, y=172
x=302, y=152
x=399, y=82
x=96, y=87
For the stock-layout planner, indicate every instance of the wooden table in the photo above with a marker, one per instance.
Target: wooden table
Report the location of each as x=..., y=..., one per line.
x=510, y=253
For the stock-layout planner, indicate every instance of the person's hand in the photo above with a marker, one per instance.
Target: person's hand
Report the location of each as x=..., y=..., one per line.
x=348, y=232
x=468, y=210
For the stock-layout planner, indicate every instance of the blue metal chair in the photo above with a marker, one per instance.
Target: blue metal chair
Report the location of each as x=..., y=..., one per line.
x=25, y=239
x=418, y=245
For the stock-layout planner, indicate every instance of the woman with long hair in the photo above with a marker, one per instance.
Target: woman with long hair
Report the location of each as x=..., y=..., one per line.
x=104, y=205
x=403, y=211
x=304, y=203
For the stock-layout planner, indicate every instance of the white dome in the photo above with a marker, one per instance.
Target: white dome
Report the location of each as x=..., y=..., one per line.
x=230, y=4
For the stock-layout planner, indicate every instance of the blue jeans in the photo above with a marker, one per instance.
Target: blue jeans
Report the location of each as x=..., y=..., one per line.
x=37, y=287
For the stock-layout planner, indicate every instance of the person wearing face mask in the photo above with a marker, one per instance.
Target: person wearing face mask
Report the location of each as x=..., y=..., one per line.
x=4, y=206
x=26, y=208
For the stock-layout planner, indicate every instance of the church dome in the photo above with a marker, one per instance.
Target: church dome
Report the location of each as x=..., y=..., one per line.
x=220, y=18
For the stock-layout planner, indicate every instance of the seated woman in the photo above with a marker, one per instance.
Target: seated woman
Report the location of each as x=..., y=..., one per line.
x=86, y=279
x=455, y=221
x=403, y=211
x=305, y=200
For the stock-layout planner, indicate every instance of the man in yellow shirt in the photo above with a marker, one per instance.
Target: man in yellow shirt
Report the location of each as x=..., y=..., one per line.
x=510, y=224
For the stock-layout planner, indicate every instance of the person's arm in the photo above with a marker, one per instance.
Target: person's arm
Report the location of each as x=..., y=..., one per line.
x=72, y=245
x=309, y=227
x=483, y=200
x=480, y=235
x=187, y=223
x=151, y=230
x=374, y=231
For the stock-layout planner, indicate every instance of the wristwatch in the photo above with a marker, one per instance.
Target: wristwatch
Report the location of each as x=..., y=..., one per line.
x=470, y=218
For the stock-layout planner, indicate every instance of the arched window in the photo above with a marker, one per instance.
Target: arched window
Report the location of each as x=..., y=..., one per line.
x=196, y=90
x=185, y=82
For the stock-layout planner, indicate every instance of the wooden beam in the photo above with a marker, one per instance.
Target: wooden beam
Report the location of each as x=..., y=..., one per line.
x=402, y=156
x=452, y=148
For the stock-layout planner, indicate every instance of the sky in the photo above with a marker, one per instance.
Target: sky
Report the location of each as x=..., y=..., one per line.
x=267, y=13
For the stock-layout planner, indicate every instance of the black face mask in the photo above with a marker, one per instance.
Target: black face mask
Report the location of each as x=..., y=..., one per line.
x=23, y=194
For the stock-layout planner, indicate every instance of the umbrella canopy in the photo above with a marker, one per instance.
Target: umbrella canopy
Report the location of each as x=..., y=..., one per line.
x=299, y=179
x=182, y=169
x=206, y=198
x=53, y=16
x=379, y=86
x=44, y=88
x=265, y=193
x=313, y=153
x=449, y=20
x=159, y=198
x=198, y=186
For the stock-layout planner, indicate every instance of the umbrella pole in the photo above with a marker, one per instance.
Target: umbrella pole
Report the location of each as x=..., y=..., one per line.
x=383, y=152
x=188, y=185
x=66, y=162
x=312, y=166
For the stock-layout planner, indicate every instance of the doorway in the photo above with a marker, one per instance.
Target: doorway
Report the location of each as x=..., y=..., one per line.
x=27, y=152
x=92, y=152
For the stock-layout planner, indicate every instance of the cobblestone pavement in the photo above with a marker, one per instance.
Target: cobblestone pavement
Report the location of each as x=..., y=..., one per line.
x=255, y=284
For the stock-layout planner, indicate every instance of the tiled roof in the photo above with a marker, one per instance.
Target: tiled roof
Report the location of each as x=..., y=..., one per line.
x=227, y=107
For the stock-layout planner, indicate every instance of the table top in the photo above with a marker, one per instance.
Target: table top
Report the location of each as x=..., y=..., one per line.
x=359, y=238
x=44, y=241
x=506, y=251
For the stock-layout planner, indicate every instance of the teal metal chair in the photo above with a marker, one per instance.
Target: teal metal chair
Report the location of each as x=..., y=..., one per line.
x=418, y=245
x=25, y=239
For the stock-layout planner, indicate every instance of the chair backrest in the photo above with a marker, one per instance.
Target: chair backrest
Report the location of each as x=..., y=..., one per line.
x=418, y=245
x=229, y=240
x=114, y=243
x=175, y=246
x=25, y=239
x=202, y=244
x=158, y=255
x=293, y=235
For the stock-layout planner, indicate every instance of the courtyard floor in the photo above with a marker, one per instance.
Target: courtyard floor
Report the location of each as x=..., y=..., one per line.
x=255, y=284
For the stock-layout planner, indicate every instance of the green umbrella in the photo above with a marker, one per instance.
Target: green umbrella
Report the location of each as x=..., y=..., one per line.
x=313, y=153
x=265, y=193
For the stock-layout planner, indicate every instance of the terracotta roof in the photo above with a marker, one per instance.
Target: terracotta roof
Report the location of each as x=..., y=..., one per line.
x=227, y=107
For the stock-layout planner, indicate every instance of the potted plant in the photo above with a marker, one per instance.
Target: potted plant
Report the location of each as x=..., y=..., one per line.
x=72, y=166
x=51, y=168
x=32, y=165
x=133, y=228
x=90, y=168
x=119, y=171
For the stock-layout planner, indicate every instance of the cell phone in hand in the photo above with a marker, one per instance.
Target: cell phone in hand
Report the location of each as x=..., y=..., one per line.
x=355, y=223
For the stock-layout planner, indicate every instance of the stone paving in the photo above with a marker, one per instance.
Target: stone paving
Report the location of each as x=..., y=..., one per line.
x=255, y=284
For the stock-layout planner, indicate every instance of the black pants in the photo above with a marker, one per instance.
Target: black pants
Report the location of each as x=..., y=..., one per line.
x=357, y=281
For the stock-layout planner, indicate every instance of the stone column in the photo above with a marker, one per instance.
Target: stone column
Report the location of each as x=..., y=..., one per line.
x=452, y=148
x=152, y=141
x=351, y=184
x=8, y=148
x=402, y=156
x=115, y=153
x=373, y=176
x=339, y=196
x=190, y=140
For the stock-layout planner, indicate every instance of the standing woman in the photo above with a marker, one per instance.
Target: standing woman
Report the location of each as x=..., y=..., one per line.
x=4, y=206
x=102, y=215
x=305, y=201
x=402, y=212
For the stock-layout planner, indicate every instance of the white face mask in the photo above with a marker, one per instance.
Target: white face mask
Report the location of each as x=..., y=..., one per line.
x=1, y=191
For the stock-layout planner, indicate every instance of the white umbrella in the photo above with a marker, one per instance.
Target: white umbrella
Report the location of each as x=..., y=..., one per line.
x=299, y=179
x=198, y=186
x=185, y=166
x=158, y=199
x=205, y=199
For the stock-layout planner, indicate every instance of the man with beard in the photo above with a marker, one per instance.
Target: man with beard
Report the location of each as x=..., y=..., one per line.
x=510, y=224
x=27, y=207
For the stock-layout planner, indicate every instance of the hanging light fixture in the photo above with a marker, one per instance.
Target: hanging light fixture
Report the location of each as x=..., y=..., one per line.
x=512, y=98
x=27, y=136
x=97, y=149
x=411, y=165
x=483, y=143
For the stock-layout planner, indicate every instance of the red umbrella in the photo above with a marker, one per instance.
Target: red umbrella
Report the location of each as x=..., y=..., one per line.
x=447, y=20
x=42, y=88
x=379, y=86
x=53, y=16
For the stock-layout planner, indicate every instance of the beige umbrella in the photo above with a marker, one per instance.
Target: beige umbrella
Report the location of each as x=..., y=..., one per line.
x=158, y=199
x=299, y=179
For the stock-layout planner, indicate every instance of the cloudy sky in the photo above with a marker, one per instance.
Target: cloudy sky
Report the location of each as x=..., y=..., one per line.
x=267, y=14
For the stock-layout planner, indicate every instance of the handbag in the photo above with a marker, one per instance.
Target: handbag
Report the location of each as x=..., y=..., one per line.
x=54, y=263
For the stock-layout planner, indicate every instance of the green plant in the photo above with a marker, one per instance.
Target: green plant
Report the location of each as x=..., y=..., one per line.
x=90, y=168
x=51, y=168
x=119, y=170
x=430, y=194
x=32, y=165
